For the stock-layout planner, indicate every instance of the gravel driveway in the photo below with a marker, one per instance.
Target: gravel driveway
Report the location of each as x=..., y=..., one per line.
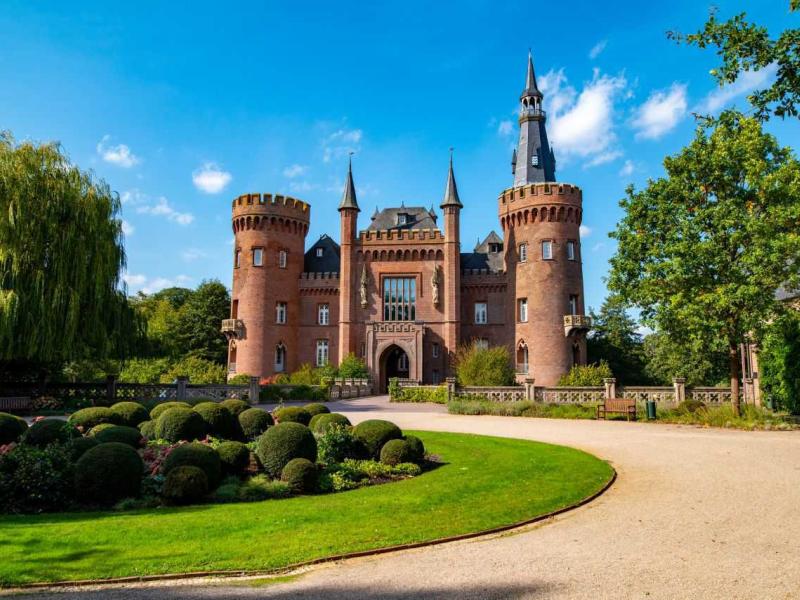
x=695, y=513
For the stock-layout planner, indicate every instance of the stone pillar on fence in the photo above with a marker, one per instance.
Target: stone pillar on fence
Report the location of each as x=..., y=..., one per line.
x=679, y=384
x=111, y=389
x=254, y=391
x=181, y=382
x=530, y=391
x=611, y=387
x=748, y=392
x=451, y=388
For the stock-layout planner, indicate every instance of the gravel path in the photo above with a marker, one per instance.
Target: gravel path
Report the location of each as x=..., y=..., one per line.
x=695, y=513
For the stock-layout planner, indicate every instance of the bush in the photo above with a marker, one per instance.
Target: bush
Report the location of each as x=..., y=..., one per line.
x=121, y=434
x=196, y=455
x=86, y=418
x=98, y=428
x=777, y=359
x=219, y=421
x=292, y=414
x=283, y=442
x=262, y=487
x=301, y=392
x=254, y=422
x=691, y=406
x=49, y=431
x=437, y=394
x=308, y=375
x=316, y=408
x=271, y=394
x=144, y=370
x=239, y=379
x=130, y=413
x=234, y=406
x=148, y=429
x=176, y=424
x=352, y=367
x=34, y=480
x=77, y=447
x=484, y=366
x=395, y=452
x=374, y=433
x=586, y=375
x=234, y=458
x=184, y=485
x=159, y=409
x=336, y=443
x=301, y=475
x=416, y=447
x=198, y=370
x=11, y=428
x=320, y=423
x=107, y=473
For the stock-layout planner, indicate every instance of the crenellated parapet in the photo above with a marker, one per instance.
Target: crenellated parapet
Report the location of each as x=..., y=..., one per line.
x=540, y=202
x=270, y=212
x=319, y=284
x=490, y=281
x=399, y=236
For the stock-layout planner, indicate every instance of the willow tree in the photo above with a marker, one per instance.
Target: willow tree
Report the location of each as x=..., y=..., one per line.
x=703, y=249
x=61, y=256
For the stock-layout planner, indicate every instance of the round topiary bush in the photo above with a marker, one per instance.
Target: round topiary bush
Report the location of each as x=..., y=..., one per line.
x=78, y=446
x=86, y=418
x=107, y=473
x=234, y=457
x=301, y=475
x=254, y=422
x=417, y=448
x=292, y=414
x=316, y=408
x=130, y=413
x=219, y=422
x=98, y=428
x=176, y=424
x=374, y=433
x=184, y=485
x=121, y=434
x=322, y=422
x=11, y=428
x=395, y=452
x=283, y=442
x=159, y=409
x=49, y=431
x=148, y=429
x=196, y=455
x=234, y=406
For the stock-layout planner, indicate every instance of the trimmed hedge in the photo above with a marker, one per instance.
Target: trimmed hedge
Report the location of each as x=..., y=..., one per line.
x=11, y=428
x=87, y=418
x=234, y=406
x=98, y=428
x=177, y=424
x=108, y=473
x=255, y=421
x=292, y=414
x=78, y=446
x=130, y=413
x=49, y=431
x=301, y=475
x=234, y=458
x=395, y=452
x=159, y=409
x=322, y=422
x=121, y=434
x=184, y=485
x=374, y=433
x=148, y=429
x=283, y=442
x=219, y=421
x=196, y=455
x=417, y=448
x=316, y=408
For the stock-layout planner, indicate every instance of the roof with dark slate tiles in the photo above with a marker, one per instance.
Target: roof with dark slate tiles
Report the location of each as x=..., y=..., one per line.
x=417, y=217
x=482, y=257
x=328, y=262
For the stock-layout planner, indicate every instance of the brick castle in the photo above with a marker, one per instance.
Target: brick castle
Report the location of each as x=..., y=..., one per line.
x=401, y=294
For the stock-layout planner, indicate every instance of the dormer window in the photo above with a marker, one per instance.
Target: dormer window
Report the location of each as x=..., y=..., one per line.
x=495, y=247
x=535, y=160
x=320, y=252
x=402, y=218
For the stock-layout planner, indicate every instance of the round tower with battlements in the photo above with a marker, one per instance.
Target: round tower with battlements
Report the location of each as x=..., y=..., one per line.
x=269, y=243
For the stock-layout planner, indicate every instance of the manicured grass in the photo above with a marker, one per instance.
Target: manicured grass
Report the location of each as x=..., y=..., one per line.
x=485, y=482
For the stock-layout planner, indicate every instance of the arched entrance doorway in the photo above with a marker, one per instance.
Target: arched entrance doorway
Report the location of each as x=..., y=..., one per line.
x=394, y=363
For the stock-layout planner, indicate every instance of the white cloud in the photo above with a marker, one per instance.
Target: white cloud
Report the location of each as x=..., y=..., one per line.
x=660, y=113
x=303, y=186
x=341, y=143
x=210, y=178
x=191, y=254
x=627, y=169
x=162, y=208
x=127, y=228
x=585, y=231
x=147, y=285
x=746, y=82
x=582, y=124
x=598, y=246
x=505, y=128
x=294, y=171
x=597, y=49
x=603, y=158
x=119, y=155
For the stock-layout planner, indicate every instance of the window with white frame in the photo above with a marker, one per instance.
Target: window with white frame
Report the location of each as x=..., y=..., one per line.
x=402, y=219
x=320, y=252
x=571, y=254
x=481, y=313
x=258, y=257
x=573, y=304
x=280, y=358
x=322, y=353
x=435, y=350
x=523, y=253
x=323, y=312
x=237, y=261
x=282, y=256
x=280, y=313
x=522, y=311
x=547, y=249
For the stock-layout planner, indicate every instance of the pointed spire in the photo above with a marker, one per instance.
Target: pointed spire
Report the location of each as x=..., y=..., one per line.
x=349, y=195
x=530, y=79
x=451, y=191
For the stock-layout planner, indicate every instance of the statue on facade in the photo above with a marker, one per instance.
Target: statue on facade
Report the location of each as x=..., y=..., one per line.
x=435, y=285
x=363, y=286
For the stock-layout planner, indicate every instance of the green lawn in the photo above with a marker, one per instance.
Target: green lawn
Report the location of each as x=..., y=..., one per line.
x=485, y=482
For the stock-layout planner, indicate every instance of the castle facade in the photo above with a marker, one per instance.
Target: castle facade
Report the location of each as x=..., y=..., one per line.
x=401, y=294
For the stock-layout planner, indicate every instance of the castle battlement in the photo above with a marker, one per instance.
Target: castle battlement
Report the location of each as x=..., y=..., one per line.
x=539, y=193
x=271, y=204
x=325, y=275
x=381, y=236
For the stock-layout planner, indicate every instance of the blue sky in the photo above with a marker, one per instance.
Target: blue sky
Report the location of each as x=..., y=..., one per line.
x=180, y=107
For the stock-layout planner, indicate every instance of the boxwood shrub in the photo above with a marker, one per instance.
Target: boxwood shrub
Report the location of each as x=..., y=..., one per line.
x=184, y=485
x=176, y=424
x=49, y=431
x=283, y=442
x=292, y=414
x=108, y=473
x=77, y=447
x=196, y=455
x=130, y=413
x=98, y=428
x=234, y=406
x=234, y=458
x=417, y=448
x=301, y=475
x=11, y=428
x=219, y=421
x=321, y=423
x=34, y=480
x=120, y=433
x=159, y=409
x=254, y=421
x=374, y=433
x=316, y=408
x=86, y=418
x=395, y=452
x=148, y=429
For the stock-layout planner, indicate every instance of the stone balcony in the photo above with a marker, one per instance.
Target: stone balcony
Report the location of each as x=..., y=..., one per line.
x=576, y=324
x=232, y=329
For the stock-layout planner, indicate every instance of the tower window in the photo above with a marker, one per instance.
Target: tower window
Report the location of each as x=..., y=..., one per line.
x=282, y=256
x=258, y=257
x=280, y=358
x=480, y=313
x=435, y=350
x=522, y=310
x=547, y=250
x=573, y=304
x=280, y=313
x=323, y=312
x=571, y=254
x=237, y=260
x=320, y=252
x=535, y=160
x=322, y=353
x=523, y=253
x=399, y=299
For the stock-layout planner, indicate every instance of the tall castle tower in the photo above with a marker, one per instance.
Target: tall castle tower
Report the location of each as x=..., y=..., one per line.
x=541, y=221
x=269, y=244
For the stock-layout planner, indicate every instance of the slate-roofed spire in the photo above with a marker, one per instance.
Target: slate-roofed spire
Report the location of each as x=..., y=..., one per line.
x=531, y=89
x=349, y=194
x=451, y=191
x=535, y=161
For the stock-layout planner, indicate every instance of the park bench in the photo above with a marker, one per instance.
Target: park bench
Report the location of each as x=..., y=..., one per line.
x=16, y=404
x=617, y=406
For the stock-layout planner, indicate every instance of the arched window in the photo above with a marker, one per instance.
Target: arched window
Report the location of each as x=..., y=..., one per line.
x=280, y=358
x=522, y=358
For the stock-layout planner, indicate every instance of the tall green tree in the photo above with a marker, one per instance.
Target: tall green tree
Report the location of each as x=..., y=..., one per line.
x=199, y=320
x=702, y=250
x=615, y=339
x=666, y=358
x=61, y=255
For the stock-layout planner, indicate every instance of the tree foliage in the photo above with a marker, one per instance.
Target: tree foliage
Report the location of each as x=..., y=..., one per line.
x=667, y=358
x=779, y=363
x=484, y=366
x=61, y=255
x=615, y=339
x=353, y=367
x=591, y=375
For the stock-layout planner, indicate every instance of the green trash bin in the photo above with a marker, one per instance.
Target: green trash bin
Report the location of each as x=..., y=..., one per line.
x=651, y=410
